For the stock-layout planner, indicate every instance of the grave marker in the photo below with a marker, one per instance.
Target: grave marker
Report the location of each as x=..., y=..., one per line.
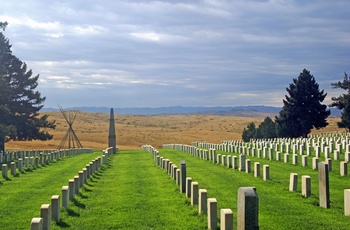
x=293, y=182
x=304, y=160
x=183, y=176
x=36, y=224
x=45, y=214
x=178, y=176
x=71, y=189
x=234, y=162
x=315, y=163
x=13, y=168
x=76, y=185
x=188, y=186
x=295, y=159
x=202, y=203
x=323, y=184
x=278, y=156
x=194, y=193
x=343, y=168
x=256, y=169
x=306, y=186
x=20, y=165
x=336, y=155
x=286, y=158
x=112, y=139
x=223, y=160
x=212, y=213
x=229, y=161
x=266, y=172
x=81, y=179
x=226, y=219
x=4, y=171
x=241, y=162
x=329, y=162
x=347, y=202
x=247, y=208
x=55, y=205
x=65, y=197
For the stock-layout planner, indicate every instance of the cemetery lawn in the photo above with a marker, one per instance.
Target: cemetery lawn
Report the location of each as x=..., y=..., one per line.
x=131, y=192
x=22, y=196
x=278, y=208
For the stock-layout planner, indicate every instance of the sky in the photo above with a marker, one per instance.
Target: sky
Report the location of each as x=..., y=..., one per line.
x=178, y=53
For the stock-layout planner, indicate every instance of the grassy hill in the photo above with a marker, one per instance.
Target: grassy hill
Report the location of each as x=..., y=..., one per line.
x=136, y=130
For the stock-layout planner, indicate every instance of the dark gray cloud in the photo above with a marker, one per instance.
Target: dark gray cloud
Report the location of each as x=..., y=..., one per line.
x=168, y=53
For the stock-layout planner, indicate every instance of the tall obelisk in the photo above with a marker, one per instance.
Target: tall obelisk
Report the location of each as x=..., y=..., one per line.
x=112, y=139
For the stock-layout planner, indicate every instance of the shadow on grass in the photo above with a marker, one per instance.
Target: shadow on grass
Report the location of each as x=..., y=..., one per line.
x=98, y=173
x=83, y=196
x=29, y=169
x=102, y=169
x=92, y=180
x=17, y=174
x=95, y=176
x=7, y=179
x=107, y=165
x=63, y=224
x=86, y=189
x=71, y=212
x=78, y=204
x=89, y=184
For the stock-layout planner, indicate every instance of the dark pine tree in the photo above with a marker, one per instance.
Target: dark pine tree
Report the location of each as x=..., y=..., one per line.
x=302, y=109
x=249, y=133
x=343, y=102
x=19, y=102
x=267, y=128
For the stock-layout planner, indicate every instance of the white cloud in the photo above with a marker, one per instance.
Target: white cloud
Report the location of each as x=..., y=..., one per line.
x=89, y=30
x=31, y=23
x=54, y=35
x=146, y=36
x=201, y=52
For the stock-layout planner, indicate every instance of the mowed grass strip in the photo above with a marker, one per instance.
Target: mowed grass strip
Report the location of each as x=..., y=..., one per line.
x=278, y=208
x=21, y=197
x=131, y=192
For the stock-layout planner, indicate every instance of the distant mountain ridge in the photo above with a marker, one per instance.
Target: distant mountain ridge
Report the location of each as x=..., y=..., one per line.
x=245, y=111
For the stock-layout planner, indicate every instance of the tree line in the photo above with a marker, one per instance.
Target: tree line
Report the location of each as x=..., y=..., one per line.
x=20, y=103
x=303, y=110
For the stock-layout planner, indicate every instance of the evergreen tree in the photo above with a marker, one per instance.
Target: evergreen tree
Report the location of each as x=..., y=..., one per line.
x=343, y=102
x=302, y=109
x=267, y=128
x=19, y=102
x=249, y=132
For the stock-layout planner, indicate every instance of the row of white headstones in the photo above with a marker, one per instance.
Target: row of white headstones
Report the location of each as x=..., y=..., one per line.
x=9, y=156
x=51, y=212
x=34, y=159
x=247, y=205
x=338, y=143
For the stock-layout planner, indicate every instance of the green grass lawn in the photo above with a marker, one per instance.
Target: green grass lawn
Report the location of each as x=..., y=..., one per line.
x=21, y=197
x=130, y=192
x=278, y=208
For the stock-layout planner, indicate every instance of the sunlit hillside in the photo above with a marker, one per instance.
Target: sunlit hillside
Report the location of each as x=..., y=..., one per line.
x=134, y=131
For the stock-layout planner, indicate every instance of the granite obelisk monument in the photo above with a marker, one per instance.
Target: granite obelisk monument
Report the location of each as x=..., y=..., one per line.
x=112, y=139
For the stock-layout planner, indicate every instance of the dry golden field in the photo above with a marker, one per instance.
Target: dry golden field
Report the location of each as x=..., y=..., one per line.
x=136, y=130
